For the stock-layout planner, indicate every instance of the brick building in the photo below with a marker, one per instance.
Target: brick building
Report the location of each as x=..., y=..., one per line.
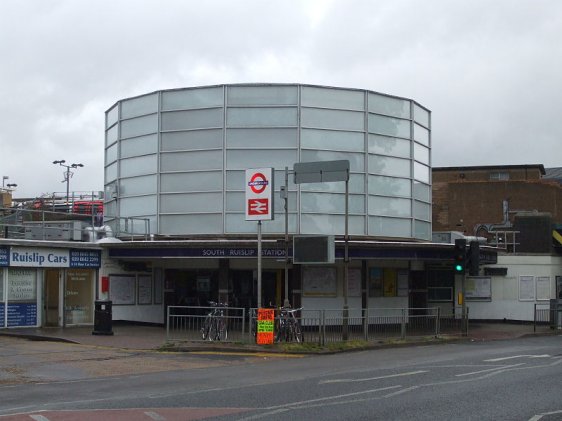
x=516, y=204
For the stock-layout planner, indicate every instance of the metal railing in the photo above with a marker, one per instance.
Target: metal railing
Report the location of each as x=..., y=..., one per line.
x=184, y=323
x=545, y=315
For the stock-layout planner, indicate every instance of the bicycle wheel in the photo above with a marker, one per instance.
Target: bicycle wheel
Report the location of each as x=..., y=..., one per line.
x=213, y=331
x=205, y=330
x=299, y=337
x=222, y=331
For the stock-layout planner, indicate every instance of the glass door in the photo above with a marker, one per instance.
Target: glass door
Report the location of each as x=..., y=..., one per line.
x=52, y=297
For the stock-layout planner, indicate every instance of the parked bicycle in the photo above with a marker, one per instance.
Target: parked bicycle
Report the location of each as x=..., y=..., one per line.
x=214, y=326
x=288, y=326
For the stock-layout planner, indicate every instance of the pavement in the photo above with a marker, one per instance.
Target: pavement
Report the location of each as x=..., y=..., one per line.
x=153, y=337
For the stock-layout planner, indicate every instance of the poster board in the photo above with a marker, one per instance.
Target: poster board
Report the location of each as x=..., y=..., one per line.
x=526, y=288
x=145, y=289
x=319, y=281
x=122, y=289
x=478, y=288
x=375, y=282
x=390, y=282
x=543, y=288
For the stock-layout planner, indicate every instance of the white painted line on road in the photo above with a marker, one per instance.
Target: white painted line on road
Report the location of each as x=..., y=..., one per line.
x=38, y=418
x=539, y=416
x=517, y=356
x=155, y=416
x=390, y=376
x=489, y=369
x=399, y=392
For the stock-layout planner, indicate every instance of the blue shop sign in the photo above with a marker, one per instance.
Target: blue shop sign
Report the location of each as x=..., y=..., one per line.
x=2, y=314
x=4, y=256
x=85, y=258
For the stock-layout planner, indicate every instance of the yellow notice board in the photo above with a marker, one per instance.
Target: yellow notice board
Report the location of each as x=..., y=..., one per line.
x=266, y=319
x=390, y=279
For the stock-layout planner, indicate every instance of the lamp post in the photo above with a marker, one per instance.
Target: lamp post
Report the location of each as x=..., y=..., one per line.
x=11, y=186
x=67, y=175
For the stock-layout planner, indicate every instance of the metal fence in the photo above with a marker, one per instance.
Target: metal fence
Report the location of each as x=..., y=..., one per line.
x=185, y=323
x=547, y=315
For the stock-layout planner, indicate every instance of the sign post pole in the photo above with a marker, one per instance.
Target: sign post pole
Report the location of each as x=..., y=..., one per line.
x=259, y=265
x=259, y=207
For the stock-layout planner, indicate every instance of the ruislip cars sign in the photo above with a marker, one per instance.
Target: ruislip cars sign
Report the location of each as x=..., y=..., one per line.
x=259, y=194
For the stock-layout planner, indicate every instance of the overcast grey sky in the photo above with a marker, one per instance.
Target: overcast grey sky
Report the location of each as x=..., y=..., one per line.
x=490, y=71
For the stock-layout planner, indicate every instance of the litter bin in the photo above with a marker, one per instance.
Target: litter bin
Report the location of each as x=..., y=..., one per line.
x=102, y=318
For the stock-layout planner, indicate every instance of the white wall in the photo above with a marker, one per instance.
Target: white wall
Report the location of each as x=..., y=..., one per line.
x=505, y=302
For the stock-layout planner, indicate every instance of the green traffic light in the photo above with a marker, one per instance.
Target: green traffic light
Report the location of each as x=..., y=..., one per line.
x=458, y=268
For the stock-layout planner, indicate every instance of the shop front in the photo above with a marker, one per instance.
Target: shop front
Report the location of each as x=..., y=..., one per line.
x=47, y=286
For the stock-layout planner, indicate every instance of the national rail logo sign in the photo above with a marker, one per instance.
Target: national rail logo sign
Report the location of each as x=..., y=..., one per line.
x=259, y=194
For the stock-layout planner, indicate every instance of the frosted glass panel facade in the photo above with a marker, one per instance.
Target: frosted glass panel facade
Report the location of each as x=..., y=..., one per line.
x=379, y=205
x=191, y=181
x=138, y=206
x=390, y=186
x=193, y=139
x=139, y=106
x=382, y=104
x=236, y=224
x=191, y=224
x=422, y=191
x=179, y=158
x=111, y=173
x=332, y=98
x=422, y=229
x=242, y=159
x=356, y=160
x=137, y=146
x=192, y=98
x=331, y=119
x=261, y=117
x=390, y=227
x=189, y=161
x=422, y=211
x=389, y=126
x=111, y=154
x=421, y=115
x=138, y=185
x=331, y=224
x=389, y=166
x=421, y=134
x=196, y=119
x=421, y=172
x=112, y=116
x=421, y=153
x=111, y=135
x=334, y=140
x=261, y=138
x=392, y=146
x=139, y=126
x=356, y=185
x=262, y=95
x=139, y=166
x=191, y=202
x=330, y=203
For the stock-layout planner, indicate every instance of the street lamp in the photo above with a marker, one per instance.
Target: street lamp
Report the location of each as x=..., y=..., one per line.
x=67, y=175
x=11, y=186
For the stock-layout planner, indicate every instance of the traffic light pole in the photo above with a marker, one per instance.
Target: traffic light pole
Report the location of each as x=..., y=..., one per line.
x=464, y=323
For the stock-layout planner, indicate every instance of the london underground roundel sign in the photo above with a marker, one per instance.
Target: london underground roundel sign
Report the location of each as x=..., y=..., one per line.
x=259, y=194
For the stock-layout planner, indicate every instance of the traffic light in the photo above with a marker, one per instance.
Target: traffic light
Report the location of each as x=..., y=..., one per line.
x=474, y=259
x=460, y=256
